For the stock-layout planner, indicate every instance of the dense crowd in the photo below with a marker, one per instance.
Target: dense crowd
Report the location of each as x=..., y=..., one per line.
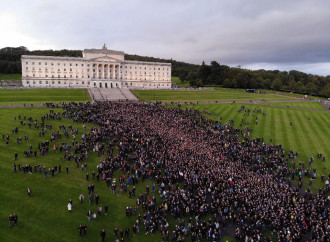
x=201, y=168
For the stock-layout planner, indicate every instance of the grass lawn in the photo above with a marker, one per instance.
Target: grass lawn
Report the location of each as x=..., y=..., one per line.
x=307, y=105
x=176, y=80
x=40, y=96
x=10, y=77
x=221, y=94
x=44, y=215
x=307, y=137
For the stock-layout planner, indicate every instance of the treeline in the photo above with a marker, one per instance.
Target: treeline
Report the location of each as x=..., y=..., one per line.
x=10, y=58
x=231, y=77
x=198, y=75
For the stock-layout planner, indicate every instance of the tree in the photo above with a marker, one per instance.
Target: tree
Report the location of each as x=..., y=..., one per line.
x=203, y=72
x=277, y=84
x=311, y=88
x=230, y=83
x=325, y=91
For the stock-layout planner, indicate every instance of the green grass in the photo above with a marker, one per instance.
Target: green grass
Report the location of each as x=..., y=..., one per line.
x=176, y=80
x=221, y=94
x=11, y=77
x=291, y=94
x=305, y=105
x=44, y=216
x=40, y=96
x=307, y=137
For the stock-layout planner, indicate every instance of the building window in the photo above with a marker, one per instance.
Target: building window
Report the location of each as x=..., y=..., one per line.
x=83, y=83
x=58, y=69
x=53, y=82
x=52, y=64
x=76, y=76
x=64, y=69
x=71, y=76
x=64, y=64
x=26, y=63
x=40, y=82
x=88, y=65
x=88, y=76
x=27, y=82
x=46, y=82
x=45, y=63
x=70, y=69
x=34, y=82
x=32, y=63
x=76, y=64
x=46, y=75
x=64, y=76
x=87, y=70
x=39, y=63
x=58, y=64
x=34, y=75
x=82, y=64
x=58, y=77
x=52, y=77
x=27, y=75
x=59, y=82
x=27, y=68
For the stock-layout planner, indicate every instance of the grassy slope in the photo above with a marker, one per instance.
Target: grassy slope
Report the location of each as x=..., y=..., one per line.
x=44, y=216
x=10, y=77
x=223, y=94
x=306, y=137
x=39, y=96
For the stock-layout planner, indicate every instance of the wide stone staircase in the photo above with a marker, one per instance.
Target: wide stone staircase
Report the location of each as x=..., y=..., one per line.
x=111, y=94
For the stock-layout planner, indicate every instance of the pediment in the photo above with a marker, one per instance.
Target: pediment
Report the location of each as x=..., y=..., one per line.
x=106, y=59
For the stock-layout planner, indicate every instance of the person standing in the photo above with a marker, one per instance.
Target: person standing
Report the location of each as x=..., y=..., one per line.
x=29, y=191
x=103, y=234
x=69, y=207
x=81, y=198
x=89, y=215
x=106, y=207
x=80, y=229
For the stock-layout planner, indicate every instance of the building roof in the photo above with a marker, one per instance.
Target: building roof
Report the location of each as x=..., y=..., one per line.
x=104, y=51
x=53, y=57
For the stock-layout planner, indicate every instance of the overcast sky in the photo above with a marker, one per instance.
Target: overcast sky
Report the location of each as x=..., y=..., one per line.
x=254, y=34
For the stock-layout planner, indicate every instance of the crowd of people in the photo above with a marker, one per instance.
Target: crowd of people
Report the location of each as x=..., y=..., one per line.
x=201, y=168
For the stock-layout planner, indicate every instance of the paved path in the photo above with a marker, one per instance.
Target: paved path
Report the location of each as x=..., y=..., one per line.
x=111, y=94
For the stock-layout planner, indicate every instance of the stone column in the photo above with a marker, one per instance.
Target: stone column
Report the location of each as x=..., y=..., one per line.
x=113, y=72
x=97, y=71
x=118, y=71
x=102, y=71
x=108, y=71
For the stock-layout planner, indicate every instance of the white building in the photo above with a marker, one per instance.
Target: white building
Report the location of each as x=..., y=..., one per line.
x=100, y=68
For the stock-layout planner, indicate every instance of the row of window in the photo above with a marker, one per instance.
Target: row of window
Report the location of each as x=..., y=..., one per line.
x=46, y=63
x=88, y=83
x=59, y=76
x=76, y=64
x=53, y=82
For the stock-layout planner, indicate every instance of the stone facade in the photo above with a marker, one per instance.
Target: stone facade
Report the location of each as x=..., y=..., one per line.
x=101, y=68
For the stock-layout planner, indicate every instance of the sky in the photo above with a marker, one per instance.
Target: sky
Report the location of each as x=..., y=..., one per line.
x=255, y=34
